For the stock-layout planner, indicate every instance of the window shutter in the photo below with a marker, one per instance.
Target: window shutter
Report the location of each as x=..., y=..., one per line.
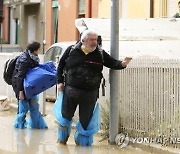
x=81, y=6
x=1, y=10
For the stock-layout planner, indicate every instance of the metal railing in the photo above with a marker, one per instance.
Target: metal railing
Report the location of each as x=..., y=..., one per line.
x=150, y=99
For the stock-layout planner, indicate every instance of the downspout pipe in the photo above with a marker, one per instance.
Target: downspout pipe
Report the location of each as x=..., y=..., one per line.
x=151, y=8
x=9, y=23
x=90, y=9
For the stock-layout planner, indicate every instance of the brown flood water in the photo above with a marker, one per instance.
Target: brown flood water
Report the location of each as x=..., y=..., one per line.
x=35, y=141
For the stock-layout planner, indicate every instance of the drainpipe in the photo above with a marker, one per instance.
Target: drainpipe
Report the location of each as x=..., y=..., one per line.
x=151, y=8
x=90, y=9
x=43, y=36
x=114, y=75
x=0, y=37
x=9, y=17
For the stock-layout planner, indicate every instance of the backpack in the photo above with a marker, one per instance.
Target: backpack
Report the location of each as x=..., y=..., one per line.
x=8, y=70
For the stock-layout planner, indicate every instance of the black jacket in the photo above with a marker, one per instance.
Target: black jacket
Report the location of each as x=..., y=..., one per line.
x=84, y=71
x=23, y=64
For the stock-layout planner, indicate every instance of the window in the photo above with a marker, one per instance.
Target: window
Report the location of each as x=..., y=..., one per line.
x=52, y=54
x=81, y=7
x=56, y=53
x=55, y=6
x=48, y=54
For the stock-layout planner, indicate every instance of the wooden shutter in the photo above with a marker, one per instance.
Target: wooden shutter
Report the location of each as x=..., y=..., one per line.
x=1, y=10
x=81, y=7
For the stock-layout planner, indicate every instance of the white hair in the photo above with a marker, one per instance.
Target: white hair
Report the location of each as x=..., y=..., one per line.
x=85, y=34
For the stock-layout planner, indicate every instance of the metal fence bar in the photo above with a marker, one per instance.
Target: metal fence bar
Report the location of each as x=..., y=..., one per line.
x=150, y=99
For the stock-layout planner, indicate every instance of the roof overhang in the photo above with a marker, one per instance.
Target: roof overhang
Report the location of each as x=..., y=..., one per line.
x=24, y=2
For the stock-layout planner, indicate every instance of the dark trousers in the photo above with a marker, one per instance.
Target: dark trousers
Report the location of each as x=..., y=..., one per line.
x=86, y=101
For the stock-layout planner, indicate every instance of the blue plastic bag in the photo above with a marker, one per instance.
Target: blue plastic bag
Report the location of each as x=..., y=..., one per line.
x=57, y=111
x=39, y=79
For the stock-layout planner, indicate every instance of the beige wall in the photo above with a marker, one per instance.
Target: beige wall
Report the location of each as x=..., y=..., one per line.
x=138, y=8
x=135, y=9
x=156, y=8
x=104, y=9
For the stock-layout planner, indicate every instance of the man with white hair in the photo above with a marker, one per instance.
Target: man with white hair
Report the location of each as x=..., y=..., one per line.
x=79, y=75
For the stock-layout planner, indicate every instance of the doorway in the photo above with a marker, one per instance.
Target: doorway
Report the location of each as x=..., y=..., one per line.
x=31, y=28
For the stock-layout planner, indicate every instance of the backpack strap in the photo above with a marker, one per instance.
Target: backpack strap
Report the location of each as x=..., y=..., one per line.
x=73, y=47
x=65, y=68
x=101, y=52
x=103, y=85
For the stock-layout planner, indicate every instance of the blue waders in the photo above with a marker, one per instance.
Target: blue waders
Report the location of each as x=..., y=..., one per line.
x=82, y=137
x=85, y=137
x=23, y=107
x=64, y=127
x=36, y=120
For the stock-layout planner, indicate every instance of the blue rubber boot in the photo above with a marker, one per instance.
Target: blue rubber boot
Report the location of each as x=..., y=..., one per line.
x=23, y=107
x=36, y=120
x=83, y=140
x=85, y=137
x=64, y=133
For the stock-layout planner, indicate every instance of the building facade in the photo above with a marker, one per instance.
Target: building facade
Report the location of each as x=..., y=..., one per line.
x=50, y=21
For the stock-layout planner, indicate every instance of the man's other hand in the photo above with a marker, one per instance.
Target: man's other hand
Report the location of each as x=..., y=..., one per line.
x=60, y=86
x=126, y=61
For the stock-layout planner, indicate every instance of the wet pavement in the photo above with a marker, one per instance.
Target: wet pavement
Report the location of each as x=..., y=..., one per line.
x=36, y=141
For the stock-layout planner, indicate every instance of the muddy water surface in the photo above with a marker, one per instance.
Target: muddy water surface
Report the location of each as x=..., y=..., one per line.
x=35, y=141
